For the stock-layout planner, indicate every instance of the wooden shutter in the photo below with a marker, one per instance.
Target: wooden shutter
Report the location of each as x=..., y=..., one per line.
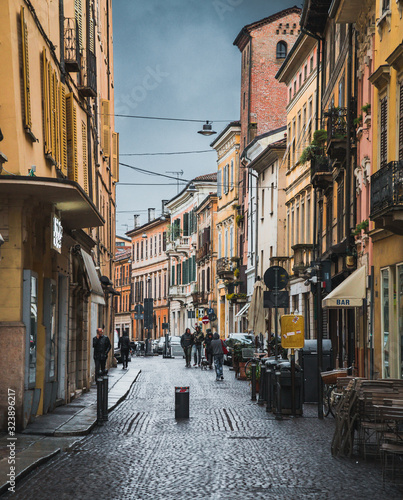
x=401, y=123
x=115, y=156
x=56, y=129
x=384, y=132
x=63, y=132
x=85, y=157
x=46, y=105
x=71, y=119
x=105, y=128
x=25, y=72
x=78, y=11
x=186, y=224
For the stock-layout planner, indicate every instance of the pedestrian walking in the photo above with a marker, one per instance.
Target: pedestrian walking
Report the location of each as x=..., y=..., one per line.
x=187, y=342
x=102, y=346
x=124, y=344
x=209, y=349
x=219, y=348
x=198, y=342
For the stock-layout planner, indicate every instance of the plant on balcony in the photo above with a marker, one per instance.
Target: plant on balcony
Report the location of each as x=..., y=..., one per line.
x=315, y=149
x=366, y=108
x=235, y=259
x=235, y=206
x=361, y=226
x=233, y=297
x=239, y=219
x=237, y=272
x=358, y=121
x=230, y=296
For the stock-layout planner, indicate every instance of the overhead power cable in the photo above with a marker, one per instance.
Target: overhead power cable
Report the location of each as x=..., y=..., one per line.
x=169, y=153
x=149, y=172
x=169, y=119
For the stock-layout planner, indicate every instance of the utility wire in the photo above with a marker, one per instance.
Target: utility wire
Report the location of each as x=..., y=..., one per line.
x=170, y=119
x=148, y=172
x=144, y=184
x=173, y=153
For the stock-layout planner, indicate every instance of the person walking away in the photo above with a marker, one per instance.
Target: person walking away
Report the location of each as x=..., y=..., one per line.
x=209, y=350
x=218, y=354
x=102, y=346
x=198, y=340
x=187, y=342
x=124, y=344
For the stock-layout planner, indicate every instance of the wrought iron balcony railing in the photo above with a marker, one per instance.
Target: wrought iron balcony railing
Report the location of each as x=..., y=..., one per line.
x=224, y=267
x=336, y=124
x=71, y=45
x=88, y=76
x=321, y=171
x=387, y=191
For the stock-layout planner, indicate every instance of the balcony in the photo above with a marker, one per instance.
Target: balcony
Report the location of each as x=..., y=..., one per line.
x=321, y=172
x=203, y=252
x=224, y=268
x=87, y=85
x=302, y=257
x=337, y=133
x=387, y=197
x=200, y=298
x=178, y=292
x=71, y=46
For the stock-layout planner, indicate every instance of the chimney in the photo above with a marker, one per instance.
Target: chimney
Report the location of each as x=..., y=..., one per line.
x=163, y=208
x=151, y=214
x=136, y=220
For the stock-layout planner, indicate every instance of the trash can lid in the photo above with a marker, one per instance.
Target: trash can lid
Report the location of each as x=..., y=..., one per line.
x=311, y=346
x=181, y=389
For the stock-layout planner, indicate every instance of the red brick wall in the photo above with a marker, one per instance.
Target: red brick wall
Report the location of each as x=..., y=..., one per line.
x=268, y=96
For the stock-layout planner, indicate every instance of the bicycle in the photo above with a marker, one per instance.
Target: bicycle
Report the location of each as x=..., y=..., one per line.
x=331, y=396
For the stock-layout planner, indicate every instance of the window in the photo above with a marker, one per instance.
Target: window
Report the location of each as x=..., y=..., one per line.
x=219, y=245
x=226, y=243
x=155, y=244
x=300, y=80
x=272, y=198
x=281, y=51
x=244, y=100
x=385, y=322
x=308, y=220
x=311, y=64
x=142, y=250
x=219, y=185
x=305, y=72
x=151, y=247
x=302, y=221
x=262, y=212
x=160, y=243
x=208, y=280
x=385, y=6
x=290, y=93
x=147, y=248
x=232, y=175
x=231, y=242
x=137, y=252
x=295, y=87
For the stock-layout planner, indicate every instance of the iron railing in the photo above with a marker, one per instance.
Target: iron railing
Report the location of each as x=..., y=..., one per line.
x=71, y=45
x=88, y=77
x=387, y=188
x=224, y=266
x=336, y=124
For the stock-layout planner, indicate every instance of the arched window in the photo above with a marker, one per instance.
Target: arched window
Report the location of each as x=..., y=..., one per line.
x=281, y=52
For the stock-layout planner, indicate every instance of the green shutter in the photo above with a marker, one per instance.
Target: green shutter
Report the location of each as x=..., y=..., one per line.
x=173, y=275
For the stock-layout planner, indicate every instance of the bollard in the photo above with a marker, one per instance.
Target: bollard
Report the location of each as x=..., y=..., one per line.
x=269, y=392
x=181, y=402
x=99, y=399
x=262, y=386
x=105, y=383
x=253, y=381
x=279, y=414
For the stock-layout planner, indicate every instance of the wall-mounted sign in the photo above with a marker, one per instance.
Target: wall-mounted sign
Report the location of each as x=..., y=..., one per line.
x=57, y=233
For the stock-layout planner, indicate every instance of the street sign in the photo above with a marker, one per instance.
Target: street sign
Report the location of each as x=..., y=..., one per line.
x=210, y=311
x=212, y=317
x=269, y=299
x=138, y=308
x=292, y=331
x=165, y=326
x=205, y=320
x=275, y=277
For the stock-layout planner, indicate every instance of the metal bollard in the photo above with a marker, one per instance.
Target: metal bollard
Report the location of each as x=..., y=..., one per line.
x=181, y=402
x=262, y=386
x=253, y=381
x=269, y=397
x=99, y=399
x=279, y=413
x=105, y=384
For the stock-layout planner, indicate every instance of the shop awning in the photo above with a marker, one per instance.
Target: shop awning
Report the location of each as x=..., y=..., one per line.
x=97, y=293
x=242, y=311
x=350, y=293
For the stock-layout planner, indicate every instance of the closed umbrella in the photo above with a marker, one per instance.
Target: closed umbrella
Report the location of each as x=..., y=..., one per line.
x=256, y=313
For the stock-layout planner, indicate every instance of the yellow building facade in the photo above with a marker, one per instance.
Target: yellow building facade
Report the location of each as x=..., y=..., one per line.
x=58, y=169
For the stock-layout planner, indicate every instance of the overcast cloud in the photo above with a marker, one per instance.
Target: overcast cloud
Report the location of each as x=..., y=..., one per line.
x=174, y=59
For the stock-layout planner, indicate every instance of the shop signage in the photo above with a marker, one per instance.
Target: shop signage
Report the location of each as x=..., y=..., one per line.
x=57, y=233
x=292, y=331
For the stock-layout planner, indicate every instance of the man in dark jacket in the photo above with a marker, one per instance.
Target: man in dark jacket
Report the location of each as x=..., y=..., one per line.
x=198, y=340
x=218, y=354
x=187, y=341
x=209, y=350
x=102, y=346
x=124, y=344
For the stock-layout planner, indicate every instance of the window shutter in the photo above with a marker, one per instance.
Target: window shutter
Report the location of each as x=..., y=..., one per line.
x=46, y=104
x=71, y=118
x=51, y=111
x=401, y=123
x=384, y=132
x=232, y=175
x=186, y=224
x=62, y=123
x=25, y=72
x=115, y=156
x=105, y=128
x=173, y=275
x=219, y=185
x=55, y=131
x=78, y=11
x=85, y=158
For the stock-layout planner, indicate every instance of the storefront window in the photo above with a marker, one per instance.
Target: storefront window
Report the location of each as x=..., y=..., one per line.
x=53, y=334
x=385, y=322
x=400, y=312
x=33, y=331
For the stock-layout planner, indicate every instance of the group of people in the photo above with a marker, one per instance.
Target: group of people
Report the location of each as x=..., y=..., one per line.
x=215, y=349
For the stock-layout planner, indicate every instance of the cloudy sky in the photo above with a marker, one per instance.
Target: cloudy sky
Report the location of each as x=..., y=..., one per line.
x=174, y=59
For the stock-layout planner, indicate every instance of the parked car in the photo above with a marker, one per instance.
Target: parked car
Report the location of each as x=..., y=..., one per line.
x=232, y=339
x=160, y=345
x=176, y=348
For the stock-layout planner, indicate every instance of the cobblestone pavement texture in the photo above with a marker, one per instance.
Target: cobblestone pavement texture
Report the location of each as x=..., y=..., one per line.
x=230, y=448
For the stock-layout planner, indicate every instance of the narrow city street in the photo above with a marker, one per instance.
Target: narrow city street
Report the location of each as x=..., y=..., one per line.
x=230, y=448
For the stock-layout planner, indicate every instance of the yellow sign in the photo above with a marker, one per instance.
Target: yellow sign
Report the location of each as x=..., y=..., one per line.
x=292, y=331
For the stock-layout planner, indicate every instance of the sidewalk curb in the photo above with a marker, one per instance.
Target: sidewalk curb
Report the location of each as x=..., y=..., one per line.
x=29, y=468
x=124, y=396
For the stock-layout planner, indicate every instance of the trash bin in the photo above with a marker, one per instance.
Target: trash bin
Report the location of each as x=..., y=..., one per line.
x=286, y=388
x=271, y=365
x=309, y=363
x=181, y=402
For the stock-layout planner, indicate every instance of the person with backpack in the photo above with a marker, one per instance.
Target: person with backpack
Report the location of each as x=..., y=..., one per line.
x=187, y=342
x=218, y=347
x=198, y=342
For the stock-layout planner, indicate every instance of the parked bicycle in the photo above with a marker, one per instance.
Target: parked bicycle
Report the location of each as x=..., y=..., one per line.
x=331, y=395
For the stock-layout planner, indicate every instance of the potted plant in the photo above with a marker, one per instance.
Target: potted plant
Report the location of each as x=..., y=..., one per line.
x=315, y=149
x=239, y=219
x=366, y=108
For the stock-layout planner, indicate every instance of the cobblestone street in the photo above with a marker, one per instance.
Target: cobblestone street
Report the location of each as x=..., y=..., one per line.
x=229, y=449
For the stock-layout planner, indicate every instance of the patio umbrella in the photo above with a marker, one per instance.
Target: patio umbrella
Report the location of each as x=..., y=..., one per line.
x=256, y=313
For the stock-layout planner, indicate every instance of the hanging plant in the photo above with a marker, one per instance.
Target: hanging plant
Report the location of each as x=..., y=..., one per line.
x=366, y=108
x=357, y=121
x=315, y=149
x=238, y=219
x=361, y=226
x=236, y=272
